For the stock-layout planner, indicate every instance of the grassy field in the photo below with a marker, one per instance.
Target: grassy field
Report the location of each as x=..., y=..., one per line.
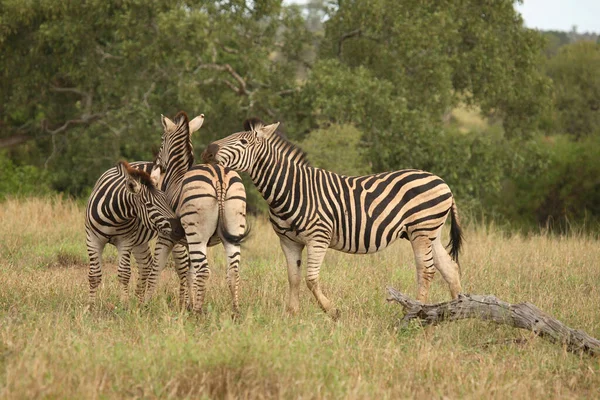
x=50, y=346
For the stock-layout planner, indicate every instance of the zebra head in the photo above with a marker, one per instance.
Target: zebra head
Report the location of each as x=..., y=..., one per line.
x=176, y=145
x=150, y=204
x=238, y=151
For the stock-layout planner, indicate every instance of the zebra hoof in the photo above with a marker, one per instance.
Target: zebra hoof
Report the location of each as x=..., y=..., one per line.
x=334, y=313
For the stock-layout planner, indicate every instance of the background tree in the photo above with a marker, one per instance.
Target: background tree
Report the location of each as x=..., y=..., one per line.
x=84, y=83
x=575, y=72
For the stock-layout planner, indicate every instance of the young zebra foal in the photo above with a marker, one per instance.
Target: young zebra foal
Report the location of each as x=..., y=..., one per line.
x=318, y=209
x=127, y=211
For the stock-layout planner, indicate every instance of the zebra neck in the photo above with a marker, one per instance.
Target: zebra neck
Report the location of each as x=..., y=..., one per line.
x=174, y=179
x=275, y=180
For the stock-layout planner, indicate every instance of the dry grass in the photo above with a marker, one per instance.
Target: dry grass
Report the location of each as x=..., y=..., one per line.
x=51, y=347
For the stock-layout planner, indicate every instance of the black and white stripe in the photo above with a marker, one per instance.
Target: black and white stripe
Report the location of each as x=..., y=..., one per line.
x=318, y=209
x=127, y=211
x=210, y=200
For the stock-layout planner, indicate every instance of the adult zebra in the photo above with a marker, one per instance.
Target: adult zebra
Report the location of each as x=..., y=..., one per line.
x=210, y=200
x=318, y=209
x=126, y=210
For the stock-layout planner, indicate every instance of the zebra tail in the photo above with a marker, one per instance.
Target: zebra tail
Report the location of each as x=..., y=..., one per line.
x=225, y=234
x=456, y=234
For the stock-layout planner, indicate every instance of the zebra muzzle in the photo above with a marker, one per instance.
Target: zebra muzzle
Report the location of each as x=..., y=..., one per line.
x=177, y=232
x=208, y=155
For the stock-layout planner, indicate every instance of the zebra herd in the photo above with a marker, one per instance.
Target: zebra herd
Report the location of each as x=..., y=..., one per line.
x=191, y=207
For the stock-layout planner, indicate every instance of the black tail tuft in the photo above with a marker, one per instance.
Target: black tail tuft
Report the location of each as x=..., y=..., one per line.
x=456, y=235
x=235, y=239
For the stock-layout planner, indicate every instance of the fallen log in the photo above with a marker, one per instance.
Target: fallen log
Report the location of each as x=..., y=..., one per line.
x=489, y=308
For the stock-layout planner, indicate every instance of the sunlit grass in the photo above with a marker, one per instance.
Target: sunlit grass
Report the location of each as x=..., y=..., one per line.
x=51, y=346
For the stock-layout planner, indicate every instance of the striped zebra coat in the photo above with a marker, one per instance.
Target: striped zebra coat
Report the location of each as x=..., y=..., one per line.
x=127, y=211
x=318, y=209
x=210, y=200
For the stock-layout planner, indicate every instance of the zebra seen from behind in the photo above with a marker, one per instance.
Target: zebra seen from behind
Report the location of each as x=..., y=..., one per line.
x=318, y=209
x=210, y=200
x=127, y=211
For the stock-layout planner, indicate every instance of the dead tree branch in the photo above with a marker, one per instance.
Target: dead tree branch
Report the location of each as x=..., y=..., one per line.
x=489, y=308
x=240, y=89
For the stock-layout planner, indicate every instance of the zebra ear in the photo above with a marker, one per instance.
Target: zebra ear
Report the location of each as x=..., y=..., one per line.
x=196, y=123
x=133, y=185
x=266, y=131
x=155, y=175
x=167, y=124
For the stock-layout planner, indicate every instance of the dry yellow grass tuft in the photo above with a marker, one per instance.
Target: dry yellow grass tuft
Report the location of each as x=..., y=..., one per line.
x=51, y=346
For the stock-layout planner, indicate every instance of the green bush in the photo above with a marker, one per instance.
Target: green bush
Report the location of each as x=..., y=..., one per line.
x=563, y=191
x=24, y=180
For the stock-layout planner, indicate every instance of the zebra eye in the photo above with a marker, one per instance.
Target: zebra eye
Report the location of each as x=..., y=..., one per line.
x=243, y=141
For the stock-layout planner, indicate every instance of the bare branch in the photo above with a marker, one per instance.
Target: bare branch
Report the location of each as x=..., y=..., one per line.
x=115, y=131
x=352, y=34
x=69, y=90
x=346, y=36
x=15, y=140
x=489, y=308
x=106, y=55
x=241, y=89
x=147, y=94
x=87, y=96
x=84, y=119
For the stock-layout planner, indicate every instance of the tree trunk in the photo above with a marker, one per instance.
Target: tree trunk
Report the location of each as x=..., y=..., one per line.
x=489, y=308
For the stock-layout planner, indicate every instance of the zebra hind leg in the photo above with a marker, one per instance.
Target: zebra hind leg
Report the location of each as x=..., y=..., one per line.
x=233, y=274
x=198, y=274
x=423, y=251
x=182, y=266
x=447, y=267
x=315, y=256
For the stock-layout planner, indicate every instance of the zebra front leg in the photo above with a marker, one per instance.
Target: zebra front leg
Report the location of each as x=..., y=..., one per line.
x=315, y=255
x=182, y=266
x=95, y=272
x=162, y=249
x=124, y=272
x=423, y=250
x=293, y=256
x=145, y=262
x=198, y=274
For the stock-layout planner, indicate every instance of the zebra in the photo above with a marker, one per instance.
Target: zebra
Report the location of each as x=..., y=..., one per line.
x=318, y=209
x=126, y=210
x=210, y=200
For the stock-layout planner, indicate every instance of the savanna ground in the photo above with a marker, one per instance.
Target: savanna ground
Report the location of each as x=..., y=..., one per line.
x=50, y=346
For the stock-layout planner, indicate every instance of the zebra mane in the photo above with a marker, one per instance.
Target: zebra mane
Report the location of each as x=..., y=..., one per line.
x=183, y=117
x=139, y=174
x=280, y=142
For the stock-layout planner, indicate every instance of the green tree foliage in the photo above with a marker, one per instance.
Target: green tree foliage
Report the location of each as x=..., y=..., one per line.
x=575, y=71
x=438, y=53
x=337, y=148
x=87, y=81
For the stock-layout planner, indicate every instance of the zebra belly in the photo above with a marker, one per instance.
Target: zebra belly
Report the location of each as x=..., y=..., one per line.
x=366, y=244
